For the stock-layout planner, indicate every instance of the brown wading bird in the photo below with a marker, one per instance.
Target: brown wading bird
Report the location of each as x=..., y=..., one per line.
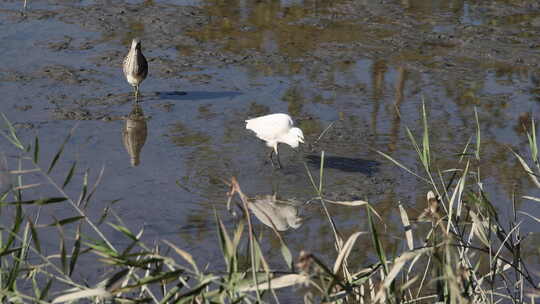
x=135, y=66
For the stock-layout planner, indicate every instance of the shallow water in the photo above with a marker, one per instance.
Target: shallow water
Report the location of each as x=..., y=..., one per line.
x=364, y=67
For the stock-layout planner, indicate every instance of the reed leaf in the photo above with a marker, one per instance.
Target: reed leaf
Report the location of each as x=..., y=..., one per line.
x=184, y=254
x=376, y=242
x=478, y=138
x=59, y=152
x=406, y=226
x=345, y=251
x=225, y=242
x=402, y=166
x=527, y=169
x=63, y=222
x=35, y=237
x=279, y=282
x=426, y=155
x=124, y=230
x=164, y=276
x=12, y=134
x=75, y=251
x=356, y=203
x=87, y=293
x=286, y=254
x=44, y=201
x=36, y=150
x=69, y=175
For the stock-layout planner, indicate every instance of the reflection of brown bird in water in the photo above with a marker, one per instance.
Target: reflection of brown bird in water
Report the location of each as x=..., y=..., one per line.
x=134, y=134
x=135, y=66
x=432, y=210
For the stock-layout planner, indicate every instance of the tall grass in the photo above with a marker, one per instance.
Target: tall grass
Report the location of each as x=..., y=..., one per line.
x=444, y=263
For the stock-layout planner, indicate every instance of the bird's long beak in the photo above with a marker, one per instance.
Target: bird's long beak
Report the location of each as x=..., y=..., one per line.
x=310, y=147
x=306, y=147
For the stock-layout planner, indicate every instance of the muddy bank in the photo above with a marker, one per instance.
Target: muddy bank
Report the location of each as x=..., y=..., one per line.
x=450, y=42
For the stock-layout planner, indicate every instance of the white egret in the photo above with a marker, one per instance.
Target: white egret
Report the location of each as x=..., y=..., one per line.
x=275, y=129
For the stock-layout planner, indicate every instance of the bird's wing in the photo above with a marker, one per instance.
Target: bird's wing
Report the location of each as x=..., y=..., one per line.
x=267, y=214
x=126, y=63
x=269, y=127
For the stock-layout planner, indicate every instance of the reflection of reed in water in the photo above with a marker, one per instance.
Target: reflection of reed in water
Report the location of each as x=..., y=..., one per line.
x=134, y=134
x=268, y=209
x=5, y=177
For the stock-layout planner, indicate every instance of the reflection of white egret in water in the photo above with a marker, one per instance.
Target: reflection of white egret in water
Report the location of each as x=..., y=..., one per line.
x=134, y=134
x=5, y=177
x=269, y=210
x=275, y=129
x=274, y=213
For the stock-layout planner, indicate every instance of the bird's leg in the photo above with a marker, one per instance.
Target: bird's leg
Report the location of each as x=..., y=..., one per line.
x=277, y=156
x=137, y=93
x=275, y=188
x=271, y=159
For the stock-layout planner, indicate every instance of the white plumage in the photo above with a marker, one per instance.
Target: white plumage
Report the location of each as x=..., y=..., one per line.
x=275, y=129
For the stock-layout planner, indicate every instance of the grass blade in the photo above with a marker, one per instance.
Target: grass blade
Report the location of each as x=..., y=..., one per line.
x=184, y=254
x=43, y=293
x=59, y=152
x=225, y=242
x=40, y=202
x=477, y=152
x=69, y=175
x=527, y=169
x=63, y=252
x=124, y=230
x=279, y=282
x=406, y=226
x=348, y=203
x=377, y=242
x=87, y=293
x=345, y=251
x=63, y=222
x=286, y=253
x=402, y=166
x=12, y=136
x=35, y=237
x=321, y=170
x=76, y=250
x=426, y=159
x=36, y=150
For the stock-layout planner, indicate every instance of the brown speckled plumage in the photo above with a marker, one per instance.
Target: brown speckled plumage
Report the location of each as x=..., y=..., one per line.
x=135, y=66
